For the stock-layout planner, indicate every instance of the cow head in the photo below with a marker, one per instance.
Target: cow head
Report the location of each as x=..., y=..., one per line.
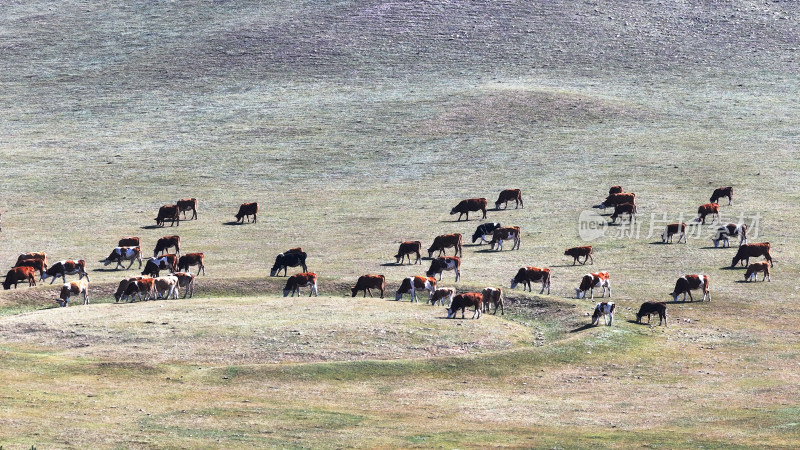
x=579, y=293
x=451, y=313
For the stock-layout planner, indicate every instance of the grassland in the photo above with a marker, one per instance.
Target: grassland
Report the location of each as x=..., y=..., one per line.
x=357, y=125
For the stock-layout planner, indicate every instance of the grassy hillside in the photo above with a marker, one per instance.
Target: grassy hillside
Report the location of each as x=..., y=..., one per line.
x=357, y=125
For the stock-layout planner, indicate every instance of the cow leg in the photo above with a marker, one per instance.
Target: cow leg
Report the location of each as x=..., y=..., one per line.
x=690, y=296
x=589, y=256
x=54, y=279
x=458, y=274
x=85, y=298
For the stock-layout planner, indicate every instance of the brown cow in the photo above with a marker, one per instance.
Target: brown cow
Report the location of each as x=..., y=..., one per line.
x=32, y=255
x=188, y=204
x=509, y=195
x=722, y=192
x=528, y=275
x=470, y=204
x=20, y=274
x=443, y=263
x=167, y=242
x=616, y=189
x=136, y=288
x=130, y=241
x=625, y=208
x=413, y=284
x=576, y=252
x=408, y=248
x=747, y=251
x=444, y=241
x=462, y=301
x=506, y=234
x=166, y=287
x=672, y=229
x=298, y=280
x=618, y=199
x=709, y=209
x=186, y=281
x=649, y=308
x=442, y=293
x=368, y=282
x=591, y=281
x=687, y=283
x=754, y=269
x=247, y=210
x=493, y=296
x=169, y=213
x=192, y=259
x=37, y=264
x=64, y=268
x=74, y=288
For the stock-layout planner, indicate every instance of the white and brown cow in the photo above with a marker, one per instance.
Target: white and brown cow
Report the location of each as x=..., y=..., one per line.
x=120, y=254
x=528, y=275
x=688, y=283
x=585, y=251
x=594, y=280
x=169, y=213
x=188, y=204
x=32, y=255
x=673, y=229
x=506, y=234
x=509, y=195
x=440, y=294
x=186, y=281
x=484, y=231
x=604, y=310
x=368, y=282
x=463, y=301
x=493, y=296
x=167, y=242
x=64, y=268
x=413, y=284
x=129, y=241
x=298, y=280
x=754, y=269
x=618, y=199
x=192, y=259
x=144, y=287
x=166, y=287
x=74, y=288
x=443, y=263
x=18, y=275
x=443, y=241
x=709, y=209
x=409, y=248
x=468, y=205
x=649, y=308
x=747, y=251
x=722, y=192
x=731, y=229
x=245, y=211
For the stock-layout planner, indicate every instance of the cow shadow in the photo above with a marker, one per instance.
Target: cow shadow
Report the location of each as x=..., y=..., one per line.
x=737, y=267
x=233, y=222
x=486, y=250
x=107, y=269
x=583, y=328
x=569, y=265
x=394, y=264
x=151, y=227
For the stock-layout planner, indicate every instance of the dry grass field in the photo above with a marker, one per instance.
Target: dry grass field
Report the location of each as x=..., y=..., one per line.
x=357, y=125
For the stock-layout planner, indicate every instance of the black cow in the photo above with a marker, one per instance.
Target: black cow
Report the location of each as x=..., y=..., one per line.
x=285, y=260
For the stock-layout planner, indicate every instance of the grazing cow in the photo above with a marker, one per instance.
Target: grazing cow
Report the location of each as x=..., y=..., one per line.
x=123, y=285
x=129, y=241
x=591, y=281
x=606, y=310
x=443, y=263
x=285, y=260
x=138, y=287
x=167, y=242
x=722, y=192
x=169, y=213
x=493, y=296
x=528, y=275
x=298, y=280
x=709, y=209
x=616, y=189
x=166, y=287
x=444, y=241
x=576, y=252
x=64, y=268
x=507, y=196
x=471, y=204
x=37, y=264
x=618, y=199
x=408, y=248
x=442, y=293
x=18, y=275
x=484, y=230
x=747, y=251
x=731, y=229
x=413, y=284
x=186, y=281
x=672, y=229
x=294, y=250
x=368, y=282
x=120, y=254
x=463, y=301
x=649, y=308
x=506, y=234
x=32, y=255
x=192, y=259
x=166, y=262
x=625, y=208
x=74, y=288
x=247, y=210
x=688, y=283
x=754, y=269
x=188, y=204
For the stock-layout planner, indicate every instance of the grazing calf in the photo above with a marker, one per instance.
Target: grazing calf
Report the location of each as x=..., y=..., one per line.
x=747, y=251
x=186, y=281
x=484, y=230
x=169, y=213
x=285, y=260
x=19, y=274
x=672, y=229
x=688, y=283
x=136, y=288
x=625, y=208
x=754, y=269
x=443, y=263
x=506, y=234
x=247, y=210
x=615, y=190
x=188, y=204
x=166, y=287
x=722, y=192
x=192, y=259
x=618, y=199
x=576, y=252
x=444, y=241
x=528, y=275
x=468, y=205
x=167, y=242
x=37, y=265
x=463, y=301
x=32, y=255
x=408, y=248
x=120, y=254
x=493, y=296
x=154, y=266
x=509, y=195
x=442, y=293
x=123, y=285
x=74, y=288
x=591, y=281
x=298, y=280
x=709, y=209
x=368, y=282
x=413, y=284
x=64, y=268
x=606, y=310
x=129, y=241
x=649, y=308
x=731, y=229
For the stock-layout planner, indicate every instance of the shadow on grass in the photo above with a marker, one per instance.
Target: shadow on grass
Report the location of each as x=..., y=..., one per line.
x=733, y=268
x=569, y=265
x=151, y=227
x=107, y=269
x=583, y=328
x=233, y=222
x=486, y=250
